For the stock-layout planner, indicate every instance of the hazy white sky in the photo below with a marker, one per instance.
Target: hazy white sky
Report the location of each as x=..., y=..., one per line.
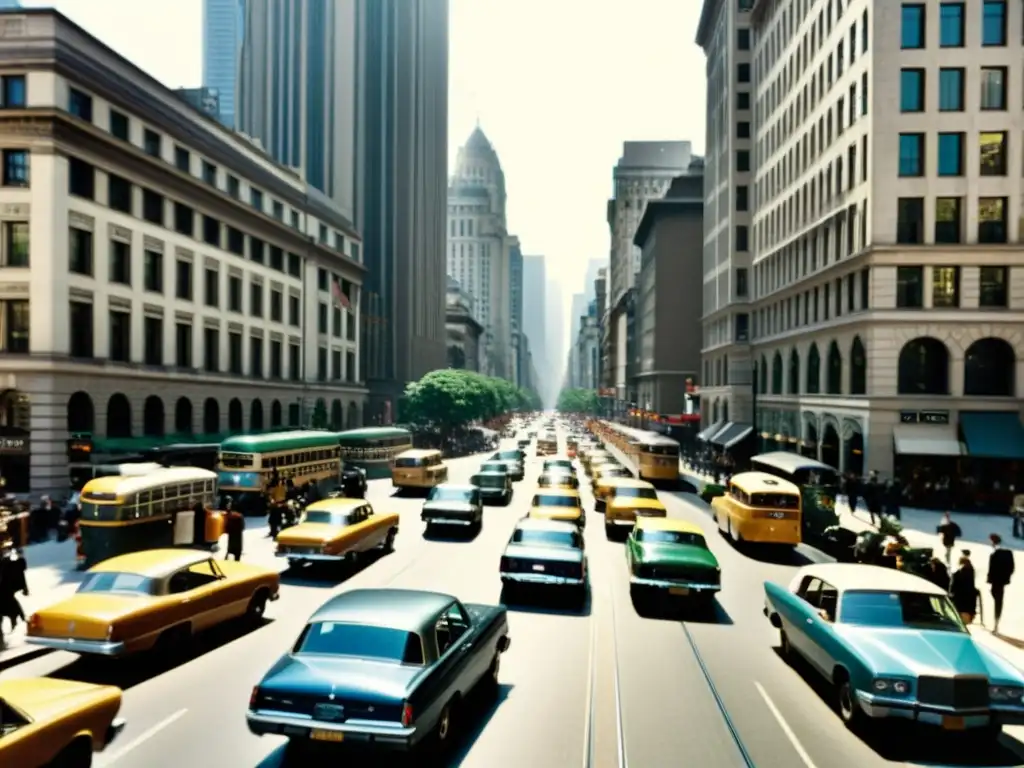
x=557, y=85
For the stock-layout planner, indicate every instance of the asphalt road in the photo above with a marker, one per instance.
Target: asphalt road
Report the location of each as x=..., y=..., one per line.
x=601, y=687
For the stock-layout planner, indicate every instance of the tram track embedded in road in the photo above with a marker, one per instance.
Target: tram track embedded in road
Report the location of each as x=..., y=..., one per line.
x=591, y=750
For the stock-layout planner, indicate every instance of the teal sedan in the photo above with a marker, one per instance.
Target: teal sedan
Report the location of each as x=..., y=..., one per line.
x=893, y=646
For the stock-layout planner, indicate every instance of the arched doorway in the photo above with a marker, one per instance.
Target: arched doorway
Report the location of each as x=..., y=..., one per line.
x=256, y=415
x=855, y=454
x=183, y=416
x=353, y=416
x=81, y=413
x=321, y=419
x=923, y=368
x=813, y=384
x=809, y=446
x=725, y=410
x=211, y=417
x=794, y=373
x=119, y=416
x=236, y=422
x=16, y=455
x=294, y=415
x=276, y=417
x=830, y=445
x=777, y=374
x=337, y=415
x=153, y=417
x=990, y=369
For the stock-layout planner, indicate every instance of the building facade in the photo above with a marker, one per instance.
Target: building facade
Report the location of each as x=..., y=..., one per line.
x=889, y=270
x=535, y=310
x=515, y=267
x=147, y=287
x=462, y=331
x=586, y=355
x=223, y=24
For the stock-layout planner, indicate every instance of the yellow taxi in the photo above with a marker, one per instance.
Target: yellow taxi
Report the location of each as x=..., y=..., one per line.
x=156, y=598
x=336, y=531
x=609, y=470
x=596, y=459
x=558, y=479
x=560, y=463
x=56, y=722
x=627, y=502
x=609, y=483
x=558, y=504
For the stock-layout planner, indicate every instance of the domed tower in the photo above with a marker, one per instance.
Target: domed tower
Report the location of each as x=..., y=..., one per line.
x=477, y=165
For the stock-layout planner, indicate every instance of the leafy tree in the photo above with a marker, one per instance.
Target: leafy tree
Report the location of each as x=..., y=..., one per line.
x=579, y=401
x=451, y=398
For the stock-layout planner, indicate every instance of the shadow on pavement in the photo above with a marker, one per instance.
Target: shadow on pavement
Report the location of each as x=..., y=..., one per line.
x=545, y=600
x=325, y=575
x=133, y=670
x=23, y=655
x=903, y=742
x=668, y=608
x=452, y=533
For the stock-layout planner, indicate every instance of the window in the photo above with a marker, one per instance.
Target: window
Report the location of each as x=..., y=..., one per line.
x=153, y=207
x=16, y=240
x=233, y=186
x=119, y=194
x=81, y=179
x=256, y=299
x=211, y=231
x=80, y=104
x=209, y=173
x=183, y=280
x=119, y=125
x=81, y=330
x=743, y=161
x=182, y=159
x=993, y=23
x=256, y=250
x=235, y=353
x=743, y=130
x=256, y=199
x=80, y=252
x=15, y=168
x=322, y=318
x=865, y=288
x=951, y=25
x=911, y=154
x=153, y=271
x=256, y=356
x=183, y=344
x=153, y=340
x=211, y=349
x=992, y=219
x=235, y=241
x=992, y=153
x=152, y=144
x=743, y=39
x=294, y=265
x=911, y=90
x=992, y=283
x=948, y=220
x=742, y=328
x=910, y=220
x=278, y=210
x=184, y=219
x=212, y=288
x=276, y=306
x=120, y=336
x=912, y=24
x=12, y=91
x=951, y=154
x=743, y=73
x=742, y=239
x=295, y=362
x=15, y=323
x=993, y=88
x=951, y=90
x=350, y=366
x=276, y=360
x=336, y=364
x=321, y=364
x=945, y=287
x=234, y=293
x=741, y=282
x=120, y=262
x=910, y=287
x=742, y=100
x=742, y=197
x=336, y=322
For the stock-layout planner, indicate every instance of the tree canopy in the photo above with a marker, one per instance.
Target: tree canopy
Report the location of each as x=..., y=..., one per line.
x=579, y=401
x=451, y=398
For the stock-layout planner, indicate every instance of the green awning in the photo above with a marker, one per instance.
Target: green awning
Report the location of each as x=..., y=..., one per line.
x=993, y=435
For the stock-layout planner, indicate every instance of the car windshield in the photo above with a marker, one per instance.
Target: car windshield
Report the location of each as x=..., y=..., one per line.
x=912, y=610
x=671, y=537
x=509, y=455
x=489, y=481
x=121, y=583
x=407, y=463
x=331, y=518
x=551, y=500
x=536, y=538
x=334, y=638
x=451, y=494
x=493, y=466
x=635, y=493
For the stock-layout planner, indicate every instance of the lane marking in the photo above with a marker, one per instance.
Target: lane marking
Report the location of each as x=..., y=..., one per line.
x=801, y=752
x=588, y=723
x=620, y=731
x=146, y=736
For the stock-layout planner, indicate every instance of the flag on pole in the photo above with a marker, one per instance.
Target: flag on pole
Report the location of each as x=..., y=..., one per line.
x=339, y=295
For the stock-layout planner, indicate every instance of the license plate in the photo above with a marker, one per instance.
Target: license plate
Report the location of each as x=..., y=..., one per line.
x=953, y=723
x=322, y=735
x=777, y=515
x=680, y=591
x=539, y=568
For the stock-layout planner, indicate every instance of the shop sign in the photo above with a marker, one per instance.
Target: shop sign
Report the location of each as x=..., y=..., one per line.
x=13, y=445
x=924, y=417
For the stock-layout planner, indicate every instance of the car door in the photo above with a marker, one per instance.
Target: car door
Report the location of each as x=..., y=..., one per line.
x=376, y=528
x=821, y=639
x=194, y=591
x=22, y=742
x=796, y=615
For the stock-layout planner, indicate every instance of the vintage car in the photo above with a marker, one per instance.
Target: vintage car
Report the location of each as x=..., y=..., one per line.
x=544, y=553
x=558, y=504
x=893, y=646
x=499, y=467
x=670, y=556
x=51, y=722
x=337, y=531
x=157, y=598
x=494, y=486
x=558, y=478
x=514, y=459
x=596, y=459
x=627, y=503
x=384, y=668
x=523, y=443
x=558, y=463
x=605, y=480
x=455, y=505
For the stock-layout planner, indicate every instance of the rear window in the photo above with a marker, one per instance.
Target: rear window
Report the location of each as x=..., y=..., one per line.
x=333, y=638
x=121, y=583
x=635, y=493
x=407, y=463
x=340, y=519
x=493, y=467
x=775, y=501
x=549, y=500
x=510, y=455
x=536, y=538
x=450, y=494
x=671, y=537
x=489, y=481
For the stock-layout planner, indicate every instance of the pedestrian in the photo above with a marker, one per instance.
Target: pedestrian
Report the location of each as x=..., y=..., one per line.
x=893, y=497
x=949, y=532
x=963, y=590
x=852, y=491
x=1017, y=512
x=1000, y=571
x=873, y=498
x=236, y=530
x=938, y=574
x=12, y=581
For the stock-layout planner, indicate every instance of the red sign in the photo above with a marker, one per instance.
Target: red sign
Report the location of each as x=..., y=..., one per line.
x=682, y=418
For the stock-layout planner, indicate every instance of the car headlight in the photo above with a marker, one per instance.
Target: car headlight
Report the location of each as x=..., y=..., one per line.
x=1006, y=693
x=886, y=685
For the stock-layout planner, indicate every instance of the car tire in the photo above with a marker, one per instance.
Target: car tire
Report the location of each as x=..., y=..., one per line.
x=609, y=532
x=174, y=645
x=77, y=754
x=491, y=681
x=257, y=608
x=445, y=727
x=389, y=540
x=785, y=649
x=846, y=704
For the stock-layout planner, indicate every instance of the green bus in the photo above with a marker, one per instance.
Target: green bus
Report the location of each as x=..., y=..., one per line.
x=373, y=449
x=245, y=464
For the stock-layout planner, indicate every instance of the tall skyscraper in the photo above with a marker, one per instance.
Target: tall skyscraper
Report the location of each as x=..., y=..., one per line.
x=9, y=4
x=555, y=313
x=534, y=311
x=223, y=22
x=519, y=348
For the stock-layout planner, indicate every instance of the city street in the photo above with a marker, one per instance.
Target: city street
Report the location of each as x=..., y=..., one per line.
x=605, y=688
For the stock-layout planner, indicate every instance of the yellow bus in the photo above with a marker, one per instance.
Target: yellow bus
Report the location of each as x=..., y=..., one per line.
x=657, y=459
x=246, y=464
x=759, y=508
x=419, y=468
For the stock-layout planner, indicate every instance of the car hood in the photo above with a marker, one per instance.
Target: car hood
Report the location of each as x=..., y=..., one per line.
x=342, y=676
x=548, y=554
x=308, y=533
x=678, y=554
x=448, y=506
x=914, y=652
x=44, y=699
x=95, y=607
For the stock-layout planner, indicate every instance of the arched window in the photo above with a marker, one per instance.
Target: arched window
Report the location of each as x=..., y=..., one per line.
x=777, y=374
x=337, y=415
x=153, y=417
x=714, y=412
x=211, y=417
x=794, y=372
x=256, y=415
x=813, y=371
x=81, y=413
x=858, y=368
x=923, y=368
x=989, y=369
x=353, y=416
x=119, y=416
x=276, y=415
x=725, y=410
x=236, y=421
x=763, y=375
x=183, y=416
x=834, y=373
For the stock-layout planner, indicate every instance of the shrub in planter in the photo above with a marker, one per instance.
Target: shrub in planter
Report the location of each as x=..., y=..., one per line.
x=712, y=491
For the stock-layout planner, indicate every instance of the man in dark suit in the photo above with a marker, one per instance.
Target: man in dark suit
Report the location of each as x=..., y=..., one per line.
x=1000, y=571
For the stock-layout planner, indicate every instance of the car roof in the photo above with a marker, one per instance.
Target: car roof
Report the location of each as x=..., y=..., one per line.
x=567, y=492
x=668, y=524
x=867, y=578
x=406, y=609
x=762, y=482
x=467, y=487
x=544, y=524
x=489, y=473
x=152, y=563
x=335, y=505
x=625, y=482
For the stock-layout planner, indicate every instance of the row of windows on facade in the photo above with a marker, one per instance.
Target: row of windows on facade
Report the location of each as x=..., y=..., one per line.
x=15, y=338
x=80, y=104
x=330, y=320
x=951, y=94
x=719, y=376
x=805, y=256
x=950, y=212
x=952, y=31
x=951, y=160
x=844, y=295
x=121, y=198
